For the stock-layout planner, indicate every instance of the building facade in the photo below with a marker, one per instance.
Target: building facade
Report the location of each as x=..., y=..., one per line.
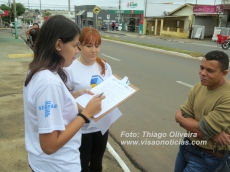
x=85, y=16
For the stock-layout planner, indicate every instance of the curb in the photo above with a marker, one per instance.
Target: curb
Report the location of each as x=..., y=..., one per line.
x=158, y=37
x=115, y=33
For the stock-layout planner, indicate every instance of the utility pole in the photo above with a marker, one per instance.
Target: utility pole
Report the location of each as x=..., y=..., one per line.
x=9, y=10
x=69, y=7
x=145, y=24
x=119, y=11
x=29, y=10
x=15, y=21
x=40, y=13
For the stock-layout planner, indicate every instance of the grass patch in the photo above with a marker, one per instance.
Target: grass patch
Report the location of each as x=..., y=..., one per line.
x=191, y=53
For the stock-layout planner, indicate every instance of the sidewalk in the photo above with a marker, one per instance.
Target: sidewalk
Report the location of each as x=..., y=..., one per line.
x=15, y=56
x=207, y=41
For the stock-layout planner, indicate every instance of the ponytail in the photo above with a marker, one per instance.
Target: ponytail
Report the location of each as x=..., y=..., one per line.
x=101, y=63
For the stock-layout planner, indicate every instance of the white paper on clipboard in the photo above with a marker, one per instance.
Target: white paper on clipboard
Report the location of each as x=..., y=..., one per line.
x=115, y=91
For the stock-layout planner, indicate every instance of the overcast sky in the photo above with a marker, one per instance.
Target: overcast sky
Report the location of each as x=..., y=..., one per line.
x=63, y=4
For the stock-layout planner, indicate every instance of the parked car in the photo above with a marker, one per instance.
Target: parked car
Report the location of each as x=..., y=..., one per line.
x=11, y=25
x=19, y=25
x=120, y=27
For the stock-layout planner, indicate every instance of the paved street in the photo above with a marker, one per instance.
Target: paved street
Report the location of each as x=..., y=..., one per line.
x=164, y=81
x=202, y=46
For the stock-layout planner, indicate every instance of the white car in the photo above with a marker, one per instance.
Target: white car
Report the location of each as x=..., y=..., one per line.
x=31, y=25
x=11, y=25
x=18, y=26
x=120, y=27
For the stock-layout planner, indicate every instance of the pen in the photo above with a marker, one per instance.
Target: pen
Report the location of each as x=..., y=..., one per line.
x=100, y=94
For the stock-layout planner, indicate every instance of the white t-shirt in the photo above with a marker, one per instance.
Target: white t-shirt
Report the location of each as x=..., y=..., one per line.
x=49, y=106
x=81, y=76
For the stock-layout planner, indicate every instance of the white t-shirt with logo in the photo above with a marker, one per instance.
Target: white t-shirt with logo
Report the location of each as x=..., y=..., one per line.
x=81, y=76
x=49, y=106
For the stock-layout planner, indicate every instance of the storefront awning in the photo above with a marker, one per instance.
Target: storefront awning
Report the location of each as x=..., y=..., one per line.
x=2, y=12
x=80, y=13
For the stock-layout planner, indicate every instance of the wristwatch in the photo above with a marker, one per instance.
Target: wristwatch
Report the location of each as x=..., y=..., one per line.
x=84, y=117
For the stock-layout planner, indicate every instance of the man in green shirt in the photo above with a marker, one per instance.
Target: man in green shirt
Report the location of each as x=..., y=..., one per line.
x=206, y=112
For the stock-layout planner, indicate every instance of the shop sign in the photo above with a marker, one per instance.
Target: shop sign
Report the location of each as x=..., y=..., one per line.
x=141, y=19
x=132, y=5
x=119, y=11
x=127, y=12
x=129, y=5
x=208, y=9
x=6, y=13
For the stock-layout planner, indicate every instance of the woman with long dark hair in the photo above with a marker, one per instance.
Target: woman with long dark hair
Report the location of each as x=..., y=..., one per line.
x=52, y=119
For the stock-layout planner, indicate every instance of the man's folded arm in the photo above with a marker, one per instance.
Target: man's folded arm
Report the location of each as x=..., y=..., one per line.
x=207, y=131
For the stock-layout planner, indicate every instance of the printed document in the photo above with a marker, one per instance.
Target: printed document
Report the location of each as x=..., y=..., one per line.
x=115, y=91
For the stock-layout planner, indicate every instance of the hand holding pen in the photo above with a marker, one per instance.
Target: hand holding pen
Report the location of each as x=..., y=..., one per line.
x=100, y=94
x=94, y=105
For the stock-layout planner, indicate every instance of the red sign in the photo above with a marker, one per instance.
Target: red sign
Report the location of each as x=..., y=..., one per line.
x=208, y=9
x=6, y=13
x=46, y=18
x=141, y=18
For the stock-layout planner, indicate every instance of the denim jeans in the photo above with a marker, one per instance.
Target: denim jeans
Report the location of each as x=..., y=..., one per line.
x=191, y=159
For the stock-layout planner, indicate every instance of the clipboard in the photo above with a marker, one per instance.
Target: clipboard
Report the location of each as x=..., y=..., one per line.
x=116, y=90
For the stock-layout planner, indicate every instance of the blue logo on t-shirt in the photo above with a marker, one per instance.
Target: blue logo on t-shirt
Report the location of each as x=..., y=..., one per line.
x=47, y=107
x=95, y=80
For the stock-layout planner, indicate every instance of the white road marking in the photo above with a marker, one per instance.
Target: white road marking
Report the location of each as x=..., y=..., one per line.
x=183, y=83
x=118, y=158
x=111, y=57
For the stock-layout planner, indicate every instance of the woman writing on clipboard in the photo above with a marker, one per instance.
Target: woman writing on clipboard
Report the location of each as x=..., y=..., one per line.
x=87, y=71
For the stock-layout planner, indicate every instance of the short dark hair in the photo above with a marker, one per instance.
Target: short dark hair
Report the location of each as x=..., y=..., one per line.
x=45, y=54
x=219, y=56
x=36, y=24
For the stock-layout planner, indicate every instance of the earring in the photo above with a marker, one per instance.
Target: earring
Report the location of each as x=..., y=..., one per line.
x=59, y=49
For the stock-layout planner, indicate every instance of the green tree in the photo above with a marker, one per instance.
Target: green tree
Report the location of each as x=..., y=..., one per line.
x=46, y=14
x=28, y=21
x=5, y=18
x=20, y=9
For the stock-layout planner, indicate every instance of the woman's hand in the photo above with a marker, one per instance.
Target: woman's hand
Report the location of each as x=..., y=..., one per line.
x=80, y=92
x=93, y=106
x=27, y=32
